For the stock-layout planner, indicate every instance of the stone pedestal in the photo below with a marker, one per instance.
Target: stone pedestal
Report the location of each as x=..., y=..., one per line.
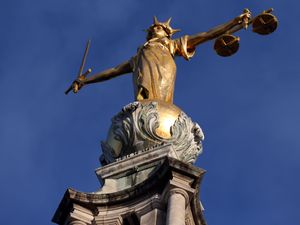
x=148, y=188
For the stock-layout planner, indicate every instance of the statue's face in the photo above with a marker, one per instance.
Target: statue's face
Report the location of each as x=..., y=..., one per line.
x=157, y=32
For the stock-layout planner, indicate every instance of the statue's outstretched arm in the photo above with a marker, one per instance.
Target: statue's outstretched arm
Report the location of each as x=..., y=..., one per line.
x=200, y=38
x=109, y=73
x=102, y=76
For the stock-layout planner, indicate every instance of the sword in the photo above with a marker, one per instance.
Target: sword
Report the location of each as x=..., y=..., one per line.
x=80, y=75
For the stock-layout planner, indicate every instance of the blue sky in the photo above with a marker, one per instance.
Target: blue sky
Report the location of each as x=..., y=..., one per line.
x=247, y=105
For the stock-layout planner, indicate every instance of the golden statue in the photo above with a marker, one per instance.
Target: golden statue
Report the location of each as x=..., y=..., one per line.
x=154, y=68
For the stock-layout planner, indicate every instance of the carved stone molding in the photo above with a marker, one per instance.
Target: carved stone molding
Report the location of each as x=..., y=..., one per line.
x=76, y=222
x=79, y=216
x=108, y=221
x=135, y=129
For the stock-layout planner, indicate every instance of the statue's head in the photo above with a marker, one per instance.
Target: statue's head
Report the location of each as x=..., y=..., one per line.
x=160, y=30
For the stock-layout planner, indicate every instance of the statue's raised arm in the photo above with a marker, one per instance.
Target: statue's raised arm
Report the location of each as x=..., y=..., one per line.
x=227, y=44
x=238, y=22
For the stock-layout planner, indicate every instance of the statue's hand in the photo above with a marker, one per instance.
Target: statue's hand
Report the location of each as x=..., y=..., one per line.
x=78, y=84
x=244, y=18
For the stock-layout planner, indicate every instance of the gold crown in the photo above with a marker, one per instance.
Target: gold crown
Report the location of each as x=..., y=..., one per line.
x=166, y=26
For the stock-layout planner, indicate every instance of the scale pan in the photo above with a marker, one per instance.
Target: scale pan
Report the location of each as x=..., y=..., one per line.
x=227, y=45
x=265, y=24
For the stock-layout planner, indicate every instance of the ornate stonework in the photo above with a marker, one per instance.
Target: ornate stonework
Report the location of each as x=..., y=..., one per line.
x=138, y=127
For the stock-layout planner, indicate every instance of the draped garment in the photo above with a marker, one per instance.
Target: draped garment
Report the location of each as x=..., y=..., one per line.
x=154, y=68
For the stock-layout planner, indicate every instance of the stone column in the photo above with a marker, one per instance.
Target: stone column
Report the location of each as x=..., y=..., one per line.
x=178, y=199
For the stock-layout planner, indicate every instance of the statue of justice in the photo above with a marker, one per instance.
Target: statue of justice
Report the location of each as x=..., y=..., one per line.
x=154, y=68
x=152, y=119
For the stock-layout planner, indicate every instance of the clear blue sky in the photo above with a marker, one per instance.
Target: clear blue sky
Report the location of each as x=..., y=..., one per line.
x=248, y=105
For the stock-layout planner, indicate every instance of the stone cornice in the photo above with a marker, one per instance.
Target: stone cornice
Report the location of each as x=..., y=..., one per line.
x=140, y=192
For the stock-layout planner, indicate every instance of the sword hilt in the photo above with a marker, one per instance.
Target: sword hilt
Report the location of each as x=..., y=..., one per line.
x=83, y=75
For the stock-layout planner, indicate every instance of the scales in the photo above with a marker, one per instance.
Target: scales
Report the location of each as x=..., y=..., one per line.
x=263, y=24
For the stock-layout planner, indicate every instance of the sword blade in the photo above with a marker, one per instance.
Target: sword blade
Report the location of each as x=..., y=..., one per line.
x=84, y=57
x=82, y=65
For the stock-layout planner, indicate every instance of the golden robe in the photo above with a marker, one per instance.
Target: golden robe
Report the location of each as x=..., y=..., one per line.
x=154, y=68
